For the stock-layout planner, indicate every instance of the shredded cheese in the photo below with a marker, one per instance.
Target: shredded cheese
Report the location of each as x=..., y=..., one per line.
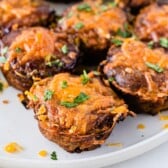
x=13, y=147
x=43, y=153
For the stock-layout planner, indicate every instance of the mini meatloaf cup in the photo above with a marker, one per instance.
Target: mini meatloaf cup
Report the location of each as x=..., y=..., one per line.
x=34, y=53
x=151, y=23
x=23, y=13
x=94, y=23
x=140, y=74
x=77, y=113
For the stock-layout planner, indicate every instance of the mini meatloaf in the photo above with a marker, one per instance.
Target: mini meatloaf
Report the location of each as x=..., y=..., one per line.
x=151, y=23
x=93, y=23
x=77, y=113
x=140, y=74
x=22, y=13
x=34, y=53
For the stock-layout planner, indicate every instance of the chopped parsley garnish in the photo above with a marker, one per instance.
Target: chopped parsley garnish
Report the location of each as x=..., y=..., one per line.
x=53, y=156
x=35, y=98
x=85, y=78
x=104, y=8
x=64, y=49
x=68, y=104
x=4, y=51
x=113, y=4
x=151, y=44
x=125, y=33
x=48, y=95
x=3, y=59
x=84, y=7
x=70, y=14
x=96, y=73
x=155, y=67
x=164, y=42
x=1, y=87
x=111, y=79
x=79, y=26
x=82, y=97
x=117, y=42
x=55, y=62
x=18, y=50
x=64, y=84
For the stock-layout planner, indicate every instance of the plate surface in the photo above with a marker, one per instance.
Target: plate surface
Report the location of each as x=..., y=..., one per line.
x=18, y=125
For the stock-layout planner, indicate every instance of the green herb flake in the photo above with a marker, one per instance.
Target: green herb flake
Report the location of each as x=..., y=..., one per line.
x=151, y=44
x=64, y=49
x=1, y=87
x=70, y=14
x=3, y=59
x=117, y=42
x=35, y=98
x=104, y=8
x=48, y=95
x=18, y=50
x=113, y=4
x=79, y=26
x=56, y=62
x=85, y=78
x=125, y=33
x=111, y=79
x=64, y=84
x=68, y=104
x=155, y=67
x=81, y=98
x=4, y=51
x=96, y=73
x=84, y=7
x=164, y=42
x=53, y=156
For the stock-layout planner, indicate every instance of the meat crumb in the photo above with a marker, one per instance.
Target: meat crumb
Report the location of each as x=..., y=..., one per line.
x=5, y=101
x=114, y=144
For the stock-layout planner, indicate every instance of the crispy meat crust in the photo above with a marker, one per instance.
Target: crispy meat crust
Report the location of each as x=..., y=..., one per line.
x=24, y=13
x=137, y=3
x=64, y=1
x=125, y=3
x=94, y=24
x=35, y=53
x=151, y=23
x=144, y=88
x=80, y=128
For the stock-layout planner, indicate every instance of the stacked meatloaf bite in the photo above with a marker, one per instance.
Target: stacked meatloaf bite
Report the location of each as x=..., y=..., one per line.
x=140, y=74
x=24, y=13
x=34, y=53
x=78, y=113
x=151, y=23
x=94, y=23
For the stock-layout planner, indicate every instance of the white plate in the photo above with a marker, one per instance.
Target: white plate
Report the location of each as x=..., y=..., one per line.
x=18, y=125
